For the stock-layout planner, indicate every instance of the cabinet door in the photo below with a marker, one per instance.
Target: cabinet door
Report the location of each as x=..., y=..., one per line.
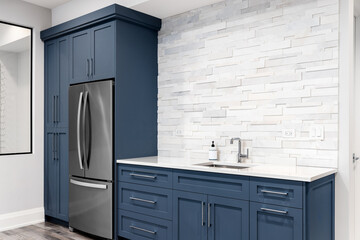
x=50, y=167
x=62, y=175
x=103, y=52
x=51, y=81
x=80, y=57
x=275, y=222
x=189, y=221
x=63, y=84
x=229, y=218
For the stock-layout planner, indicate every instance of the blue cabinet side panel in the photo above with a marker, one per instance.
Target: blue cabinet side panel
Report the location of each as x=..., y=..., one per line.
x=135, y=91
x=320, y=206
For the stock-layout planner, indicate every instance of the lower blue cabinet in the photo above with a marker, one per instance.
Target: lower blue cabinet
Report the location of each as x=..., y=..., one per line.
x=245, y=209
x=275, y=222
x=137, y=226
x=201, y=216
x=190, y=218
x=229, y=218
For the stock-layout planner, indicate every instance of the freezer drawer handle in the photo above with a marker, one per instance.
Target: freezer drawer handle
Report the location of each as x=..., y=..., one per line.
x=276, y=193
x=89, y=185
x=273, y=210
x=142, y=176
x=143, y=230
x=142, y=200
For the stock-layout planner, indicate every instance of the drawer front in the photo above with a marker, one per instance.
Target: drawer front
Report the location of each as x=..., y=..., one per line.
x=145, y=175
x=140, y=227
x=278, y=192
x=152, y=201
x=275, y=222
x=212, y=183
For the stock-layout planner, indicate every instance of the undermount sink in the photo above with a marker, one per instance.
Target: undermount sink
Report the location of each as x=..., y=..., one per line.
x=222, y=165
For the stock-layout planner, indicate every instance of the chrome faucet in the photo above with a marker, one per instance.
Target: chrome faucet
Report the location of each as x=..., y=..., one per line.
x=239, y=149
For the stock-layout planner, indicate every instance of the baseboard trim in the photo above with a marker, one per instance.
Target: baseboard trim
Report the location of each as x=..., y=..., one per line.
x=22, y=218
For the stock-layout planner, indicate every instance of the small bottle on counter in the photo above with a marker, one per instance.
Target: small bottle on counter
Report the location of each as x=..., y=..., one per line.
x=212, y=152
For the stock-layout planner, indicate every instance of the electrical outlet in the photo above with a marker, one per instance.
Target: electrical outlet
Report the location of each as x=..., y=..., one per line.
x=288, y=133
x=178, y=132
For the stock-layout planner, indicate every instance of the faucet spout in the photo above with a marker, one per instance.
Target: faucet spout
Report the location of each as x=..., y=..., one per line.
x=240, y=155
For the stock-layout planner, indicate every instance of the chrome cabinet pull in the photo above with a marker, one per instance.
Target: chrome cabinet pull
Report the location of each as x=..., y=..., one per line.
x=78, y=131
x=57, y=109
x=273, y=210
x=88, y=67
x=142, y=176
x=53, y=146
x=143, y=230
x=202, y=214
x=56, y=145
x=274, y=192
x=53, y=110
x=209, y=215
x=142, y=200
x=92, y=67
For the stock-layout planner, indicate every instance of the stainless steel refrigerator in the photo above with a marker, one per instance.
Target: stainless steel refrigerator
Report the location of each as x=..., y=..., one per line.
x=91, y=158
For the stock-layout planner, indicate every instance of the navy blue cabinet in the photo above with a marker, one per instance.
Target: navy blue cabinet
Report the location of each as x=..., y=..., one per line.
x=190, y=216
x=92, y=55
x=56, y=123
x=56, y=175
x=275, y=222
x=229, y=218
x=218, y=206
x=56, y=82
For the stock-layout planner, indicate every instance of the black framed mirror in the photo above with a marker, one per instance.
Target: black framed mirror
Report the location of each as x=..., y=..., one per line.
x=15, y=89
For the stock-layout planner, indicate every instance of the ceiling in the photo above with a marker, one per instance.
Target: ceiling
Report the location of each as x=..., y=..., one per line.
x=47, y=3
x=157, y=8
x=357, y=8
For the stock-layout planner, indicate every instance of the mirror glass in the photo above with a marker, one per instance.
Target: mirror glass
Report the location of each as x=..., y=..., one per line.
x=15, y=89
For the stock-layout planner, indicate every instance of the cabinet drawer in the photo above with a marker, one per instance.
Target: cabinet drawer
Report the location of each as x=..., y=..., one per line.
x=275, y=222
x=278, y=192
x=212, y=183
x=144, y=199
x=139, y=227
x=145, y=175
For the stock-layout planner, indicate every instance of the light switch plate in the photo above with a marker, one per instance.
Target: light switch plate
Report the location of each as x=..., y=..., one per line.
x=316, y=132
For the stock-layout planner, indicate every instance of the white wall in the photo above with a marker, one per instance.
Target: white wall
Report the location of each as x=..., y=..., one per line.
x=77, y=8
x=344, y=198
x=21, y=176
x=249, y=70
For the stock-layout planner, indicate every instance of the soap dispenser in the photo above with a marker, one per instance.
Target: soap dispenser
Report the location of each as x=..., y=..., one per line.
x=212, y=152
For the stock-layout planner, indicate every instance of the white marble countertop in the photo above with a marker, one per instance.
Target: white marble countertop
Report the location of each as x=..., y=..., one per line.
x=295, y=173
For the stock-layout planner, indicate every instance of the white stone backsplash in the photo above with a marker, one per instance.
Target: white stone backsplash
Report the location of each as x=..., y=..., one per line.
x=249, y=69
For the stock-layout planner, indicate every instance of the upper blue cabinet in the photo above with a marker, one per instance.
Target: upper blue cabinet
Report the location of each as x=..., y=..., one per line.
x=92, y=55
x=56, y=82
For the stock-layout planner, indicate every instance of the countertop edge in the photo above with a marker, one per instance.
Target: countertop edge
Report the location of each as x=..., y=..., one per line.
x=206, y=169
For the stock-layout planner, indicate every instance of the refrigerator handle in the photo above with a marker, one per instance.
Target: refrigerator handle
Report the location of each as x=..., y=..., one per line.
x=84, y=129
x=78, y=131
x=89, y=185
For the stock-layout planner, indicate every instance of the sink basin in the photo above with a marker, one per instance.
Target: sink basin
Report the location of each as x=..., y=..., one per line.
x=222, y=165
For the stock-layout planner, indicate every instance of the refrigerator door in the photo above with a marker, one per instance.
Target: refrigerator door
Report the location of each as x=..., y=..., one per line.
x=98, y=122
x=90, y=206
x=76, y=149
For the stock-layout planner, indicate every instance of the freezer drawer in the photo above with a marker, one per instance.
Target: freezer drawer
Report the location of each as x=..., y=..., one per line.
x=90, y=206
